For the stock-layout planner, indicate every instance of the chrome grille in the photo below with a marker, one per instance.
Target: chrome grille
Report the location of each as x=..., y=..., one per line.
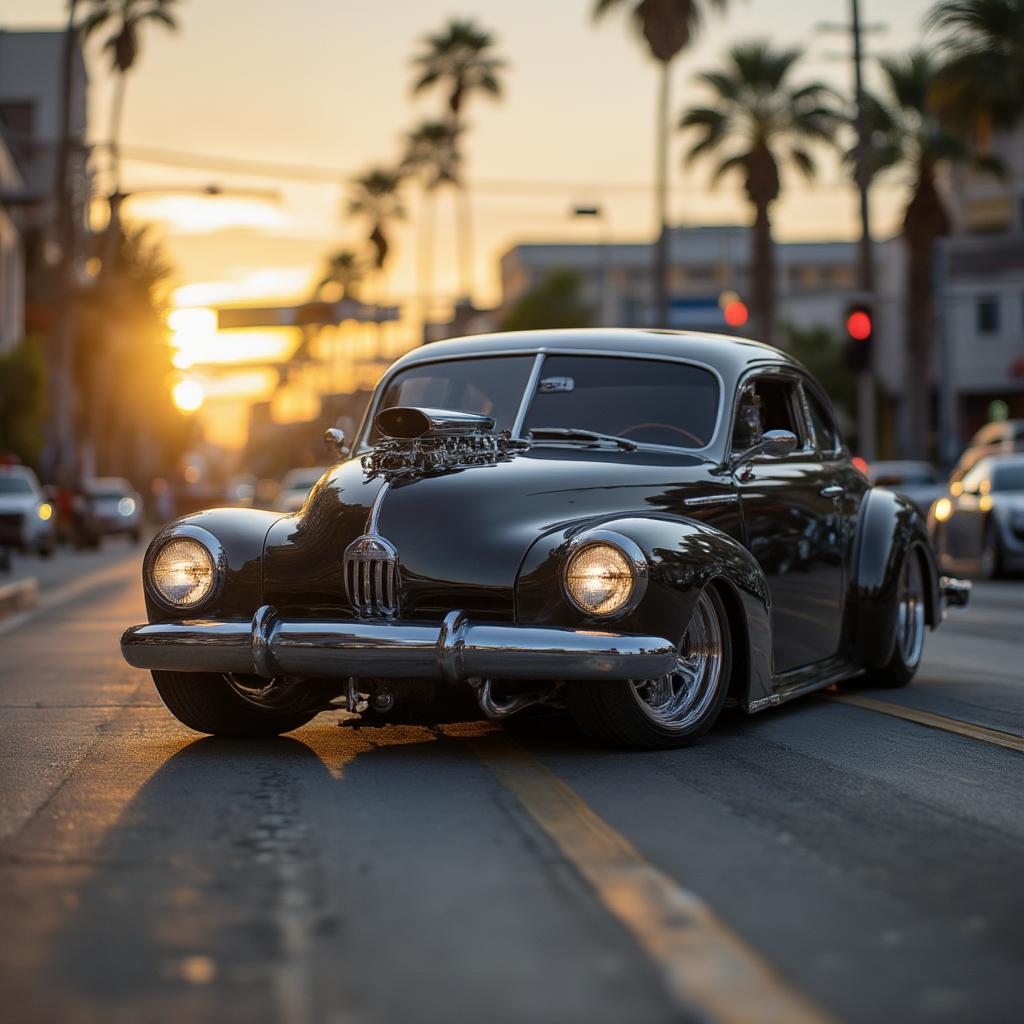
x=371, y=577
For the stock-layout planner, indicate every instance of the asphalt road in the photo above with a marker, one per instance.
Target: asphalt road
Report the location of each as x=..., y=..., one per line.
x=823, y=861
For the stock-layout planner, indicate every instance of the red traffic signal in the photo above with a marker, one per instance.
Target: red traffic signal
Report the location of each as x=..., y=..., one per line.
x=736, y=314
x=858, y=323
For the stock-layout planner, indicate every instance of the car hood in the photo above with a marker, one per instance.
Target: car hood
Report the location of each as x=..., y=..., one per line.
x=461, y=535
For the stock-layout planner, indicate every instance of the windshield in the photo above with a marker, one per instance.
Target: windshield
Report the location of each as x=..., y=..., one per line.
x=644, y=400
x=1009, y=477
x=15, y=485
x=647, y=401
x=492, y=386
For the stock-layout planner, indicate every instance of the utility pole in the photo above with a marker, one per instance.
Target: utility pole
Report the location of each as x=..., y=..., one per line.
x=865, y=262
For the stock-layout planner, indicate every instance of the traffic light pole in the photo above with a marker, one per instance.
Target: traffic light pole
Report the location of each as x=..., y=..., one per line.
x=865, y=264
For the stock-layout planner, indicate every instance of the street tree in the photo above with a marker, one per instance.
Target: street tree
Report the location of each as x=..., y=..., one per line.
x=908, y=136
x=757, y=120
x=376, y=198
x=461, y=62
x=668, y=27
x=980, y=85
x=433, y=155
x=344, y=270
x=125, y=20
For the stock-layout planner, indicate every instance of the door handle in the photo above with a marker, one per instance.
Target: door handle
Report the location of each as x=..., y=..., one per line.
x=832, y=491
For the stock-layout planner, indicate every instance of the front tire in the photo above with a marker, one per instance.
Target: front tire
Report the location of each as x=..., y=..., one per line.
x=661, y=714
x=214, y=704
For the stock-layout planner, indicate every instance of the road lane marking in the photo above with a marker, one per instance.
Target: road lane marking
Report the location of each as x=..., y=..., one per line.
x=708, y=971
x=932, y=720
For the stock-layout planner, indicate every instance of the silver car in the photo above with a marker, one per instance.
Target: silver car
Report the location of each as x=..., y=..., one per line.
x=918, y=481
x=27, y=520
x=978, y=527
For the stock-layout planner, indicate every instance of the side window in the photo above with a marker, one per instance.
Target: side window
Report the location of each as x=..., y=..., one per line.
x=825, y=432
x=768, y=404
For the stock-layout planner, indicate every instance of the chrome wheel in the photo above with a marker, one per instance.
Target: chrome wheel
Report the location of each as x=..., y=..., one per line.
x=910, y=611
x=277, y=694
x=679, y=699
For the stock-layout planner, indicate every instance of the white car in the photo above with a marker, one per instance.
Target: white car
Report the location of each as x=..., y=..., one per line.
x=27, y=520
x=295, y=487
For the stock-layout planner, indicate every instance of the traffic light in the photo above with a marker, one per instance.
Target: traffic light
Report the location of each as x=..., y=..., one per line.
x=859, y=326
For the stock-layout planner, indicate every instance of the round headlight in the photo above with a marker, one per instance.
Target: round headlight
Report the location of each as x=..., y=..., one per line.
x=599, y=579
x=183, y=572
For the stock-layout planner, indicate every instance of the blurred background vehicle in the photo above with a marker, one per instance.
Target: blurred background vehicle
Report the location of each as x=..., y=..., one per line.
x=107, y=507
x=979, y=526
x=241, y=490
x=921, y=482
x=992, y=439
x=27, y=519
x=295, y=487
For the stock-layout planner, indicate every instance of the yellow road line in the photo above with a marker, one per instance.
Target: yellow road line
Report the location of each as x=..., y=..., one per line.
x=932, y=720
x=707, y=969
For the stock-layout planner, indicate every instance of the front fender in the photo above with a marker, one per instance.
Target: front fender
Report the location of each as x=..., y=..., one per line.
x=683, y=555
x=241, y=533
x=888, y=526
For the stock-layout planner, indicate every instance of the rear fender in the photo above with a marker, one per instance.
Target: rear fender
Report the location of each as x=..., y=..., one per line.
x=683, y=557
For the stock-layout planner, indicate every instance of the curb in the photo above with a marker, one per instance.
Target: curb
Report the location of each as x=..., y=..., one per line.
x=18, y=596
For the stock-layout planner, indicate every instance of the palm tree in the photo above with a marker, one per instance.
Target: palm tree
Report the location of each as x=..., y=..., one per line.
x=343, y=268
x=125, y=18
x=981, y=84
x=758, y=120
x=907, y=134
x=376, y=198
x=432, y=153
x=668, y=26
x=461, y=61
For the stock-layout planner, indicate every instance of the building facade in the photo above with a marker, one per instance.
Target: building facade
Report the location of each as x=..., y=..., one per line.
x=12, y=253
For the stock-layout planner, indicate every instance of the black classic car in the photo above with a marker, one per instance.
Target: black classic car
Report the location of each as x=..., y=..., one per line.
x=643, y=526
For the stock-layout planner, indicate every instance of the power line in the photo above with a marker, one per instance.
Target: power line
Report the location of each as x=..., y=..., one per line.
x=321, y=174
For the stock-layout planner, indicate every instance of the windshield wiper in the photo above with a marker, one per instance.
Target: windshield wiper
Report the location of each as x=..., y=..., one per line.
x=579, y=434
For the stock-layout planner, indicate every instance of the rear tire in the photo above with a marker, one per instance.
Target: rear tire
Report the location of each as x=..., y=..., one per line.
x=661, y=714
x=910, y=627
x=207, y=702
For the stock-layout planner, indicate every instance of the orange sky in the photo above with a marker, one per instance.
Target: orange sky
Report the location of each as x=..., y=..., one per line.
x=323, y=85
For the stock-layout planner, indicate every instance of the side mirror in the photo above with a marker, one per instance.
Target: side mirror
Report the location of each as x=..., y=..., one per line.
x=335, y=441
x=773, y=443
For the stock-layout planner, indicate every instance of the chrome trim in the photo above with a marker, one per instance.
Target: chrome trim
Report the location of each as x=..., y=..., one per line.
x=955, y=592
x=544, y=350
x=415, y=421
x=832, y=491
x=372, y=578
x=208, y=540
x=713, y=499
x=527, y=399
x=373, y=520
x=459, y=650
x=634, y=555
x=765, y=702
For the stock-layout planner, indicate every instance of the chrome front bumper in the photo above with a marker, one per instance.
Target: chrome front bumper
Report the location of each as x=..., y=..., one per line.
x=456, y=650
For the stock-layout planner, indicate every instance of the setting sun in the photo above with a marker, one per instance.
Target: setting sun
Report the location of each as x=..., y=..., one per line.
x=188, y=395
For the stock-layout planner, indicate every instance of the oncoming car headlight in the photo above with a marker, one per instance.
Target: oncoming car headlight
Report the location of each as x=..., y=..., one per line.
x=605, y=577
x=183, y=572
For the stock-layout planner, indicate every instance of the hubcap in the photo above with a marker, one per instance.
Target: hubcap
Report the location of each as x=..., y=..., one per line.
x=910, y=622
x=679, y=699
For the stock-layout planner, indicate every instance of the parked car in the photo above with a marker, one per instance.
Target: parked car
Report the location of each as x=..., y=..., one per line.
x=106, y=507
x=918, y=481
x=295, y=487
x=28, y=521
x=1000, y=437
x=642, y=526
x=979, y=526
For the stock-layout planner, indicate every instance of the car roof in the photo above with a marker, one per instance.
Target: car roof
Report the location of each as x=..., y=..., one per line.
x=107, y=483
x=725, y=353
x=22, y=471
